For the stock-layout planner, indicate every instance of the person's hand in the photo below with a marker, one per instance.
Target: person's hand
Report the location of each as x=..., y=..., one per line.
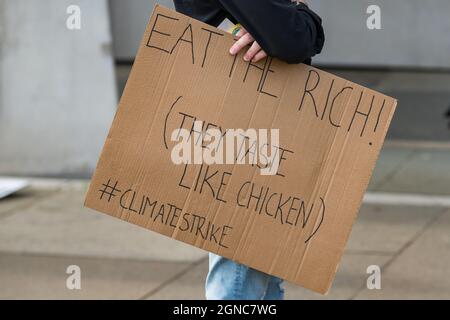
x=254, y=53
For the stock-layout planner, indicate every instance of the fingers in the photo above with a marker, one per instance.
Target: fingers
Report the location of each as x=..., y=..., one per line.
x=259, y=55
x=254, y=53
x=241, y=43
x=241, y=32
x=254, y=49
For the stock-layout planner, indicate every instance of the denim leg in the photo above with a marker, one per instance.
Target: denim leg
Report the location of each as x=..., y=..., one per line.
x=275, y=289
x=228, y=280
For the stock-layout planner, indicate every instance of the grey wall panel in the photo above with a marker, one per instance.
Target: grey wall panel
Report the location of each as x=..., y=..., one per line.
x=129, y=19
x=415, y=33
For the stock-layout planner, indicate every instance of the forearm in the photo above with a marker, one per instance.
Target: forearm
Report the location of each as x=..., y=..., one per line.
x=283, y=29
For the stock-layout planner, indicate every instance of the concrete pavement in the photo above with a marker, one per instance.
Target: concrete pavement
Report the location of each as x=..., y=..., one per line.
x=44, y=229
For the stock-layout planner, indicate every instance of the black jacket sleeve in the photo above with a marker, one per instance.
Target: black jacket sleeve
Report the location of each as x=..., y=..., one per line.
x=286, y=30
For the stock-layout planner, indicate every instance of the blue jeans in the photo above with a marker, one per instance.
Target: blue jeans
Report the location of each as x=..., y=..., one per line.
x=229, y=280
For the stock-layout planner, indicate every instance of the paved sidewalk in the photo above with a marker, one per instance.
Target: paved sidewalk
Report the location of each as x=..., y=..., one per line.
x=44, y=229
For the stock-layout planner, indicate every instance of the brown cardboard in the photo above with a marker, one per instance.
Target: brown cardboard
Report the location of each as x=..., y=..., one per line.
x=332, y=128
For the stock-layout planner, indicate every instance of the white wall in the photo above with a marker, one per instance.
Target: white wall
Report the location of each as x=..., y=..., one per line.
x=57, y=87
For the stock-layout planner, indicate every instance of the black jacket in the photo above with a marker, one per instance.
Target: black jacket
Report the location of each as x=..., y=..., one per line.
x=286, y=30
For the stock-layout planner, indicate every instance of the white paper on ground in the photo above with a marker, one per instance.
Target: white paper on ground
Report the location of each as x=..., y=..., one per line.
x=10, y=185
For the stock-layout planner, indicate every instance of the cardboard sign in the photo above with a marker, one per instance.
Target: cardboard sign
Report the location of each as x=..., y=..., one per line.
x=293, y=222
